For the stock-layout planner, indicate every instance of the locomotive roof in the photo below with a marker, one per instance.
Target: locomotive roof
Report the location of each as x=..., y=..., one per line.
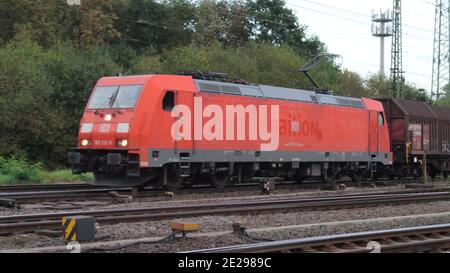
x=272, y=92
x=258, y=91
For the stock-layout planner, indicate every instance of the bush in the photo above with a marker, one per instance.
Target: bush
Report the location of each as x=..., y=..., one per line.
x=43, y=94
x=15, y=170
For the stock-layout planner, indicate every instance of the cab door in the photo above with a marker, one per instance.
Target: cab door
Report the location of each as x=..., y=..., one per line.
x=184, y=146
x=374, y=133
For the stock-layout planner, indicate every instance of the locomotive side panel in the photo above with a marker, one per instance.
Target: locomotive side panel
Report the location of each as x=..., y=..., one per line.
x=307, y=132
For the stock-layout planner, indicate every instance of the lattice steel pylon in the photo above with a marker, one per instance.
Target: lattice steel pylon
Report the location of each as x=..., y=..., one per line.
x=397, y=72
x=441, y=61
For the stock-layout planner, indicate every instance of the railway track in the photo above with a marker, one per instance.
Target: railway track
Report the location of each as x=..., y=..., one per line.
x=434, y=238
x=47, y=187
x=85, y=186
x=32, y=222
x=14, y=196
x=72, y=193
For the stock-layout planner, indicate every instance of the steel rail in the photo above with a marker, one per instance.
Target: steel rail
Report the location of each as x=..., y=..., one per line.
x=46, y=187
x=24, y=197
x=16, y=198
x=414, y=239
x=31, y=222
x=86, y=186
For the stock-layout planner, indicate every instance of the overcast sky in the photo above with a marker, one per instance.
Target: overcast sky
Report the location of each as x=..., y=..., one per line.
x=345, y=27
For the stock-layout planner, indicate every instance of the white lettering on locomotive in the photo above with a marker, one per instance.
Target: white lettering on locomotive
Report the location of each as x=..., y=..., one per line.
x=229, y=124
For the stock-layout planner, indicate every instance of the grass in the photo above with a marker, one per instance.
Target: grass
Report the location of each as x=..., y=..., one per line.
x=66, y=176
x=15, y=170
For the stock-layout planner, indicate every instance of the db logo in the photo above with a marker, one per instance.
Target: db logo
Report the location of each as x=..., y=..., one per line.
x=374, y=246
x=74, y=247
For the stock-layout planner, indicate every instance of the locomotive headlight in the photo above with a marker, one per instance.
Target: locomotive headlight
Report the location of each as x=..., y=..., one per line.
x=85, y=142
x=108, y=117
x=122, y=143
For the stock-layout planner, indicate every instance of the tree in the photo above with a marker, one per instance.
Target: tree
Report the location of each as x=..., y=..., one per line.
x=209, y=27
x=413, y=93
x=378, y=86
x=445, y=101
x=180, y=20
x=42, y=20
x=43, y=95
x=271, y=21
x=96, y=23
x=153, y=24
x=351, y=84
x=235, y=15
x=254, y=62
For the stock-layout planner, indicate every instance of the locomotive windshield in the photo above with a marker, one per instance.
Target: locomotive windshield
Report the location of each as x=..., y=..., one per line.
x=115, y=97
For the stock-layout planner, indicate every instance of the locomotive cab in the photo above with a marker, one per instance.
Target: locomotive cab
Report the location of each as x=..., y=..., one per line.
x=107, y=141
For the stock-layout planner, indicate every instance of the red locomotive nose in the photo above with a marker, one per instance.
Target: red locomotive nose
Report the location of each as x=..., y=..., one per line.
x=109, y=114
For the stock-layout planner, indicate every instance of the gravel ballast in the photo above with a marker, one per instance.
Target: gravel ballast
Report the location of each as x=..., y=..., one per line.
x=223, y=223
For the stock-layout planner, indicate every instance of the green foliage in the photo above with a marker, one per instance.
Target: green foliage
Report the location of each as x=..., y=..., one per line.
x=43, y=95
x=66, y=176
x=351, y=84
x=380, y=87
x=255, y=62
x=16, y=170
x=445, y=101
x=209, y=25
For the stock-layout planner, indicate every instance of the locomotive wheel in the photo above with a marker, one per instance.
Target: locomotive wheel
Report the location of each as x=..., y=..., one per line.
x=174, y=180
x=330, y=180
x=356, y=178
x=174, y=185
x=220, y=180
x=299, y=178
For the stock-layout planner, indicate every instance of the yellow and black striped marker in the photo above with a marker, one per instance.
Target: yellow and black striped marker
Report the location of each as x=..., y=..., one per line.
x=69, y=224
x=78, y=228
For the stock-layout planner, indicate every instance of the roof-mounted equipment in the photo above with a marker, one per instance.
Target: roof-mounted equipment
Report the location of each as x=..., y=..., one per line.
x=315, y=62
x=213, y=76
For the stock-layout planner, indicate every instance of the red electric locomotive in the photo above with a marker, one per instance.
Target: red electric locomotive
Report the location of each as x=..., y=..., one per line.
x=180, y=130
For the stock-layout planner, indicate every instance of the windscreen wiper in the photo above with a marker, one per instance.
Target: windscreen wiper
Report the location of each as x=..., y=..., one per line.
x=113, y=98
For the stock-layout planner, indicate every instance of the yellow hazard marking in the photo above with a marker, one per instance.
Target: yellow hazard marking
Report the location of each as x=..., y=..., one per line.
x=69, y=229
x=184, y=226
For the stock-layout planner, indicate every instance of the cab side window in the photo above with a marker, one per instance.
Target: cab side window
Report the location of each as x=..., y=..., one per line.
x=168, y=102
x=381, y=120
